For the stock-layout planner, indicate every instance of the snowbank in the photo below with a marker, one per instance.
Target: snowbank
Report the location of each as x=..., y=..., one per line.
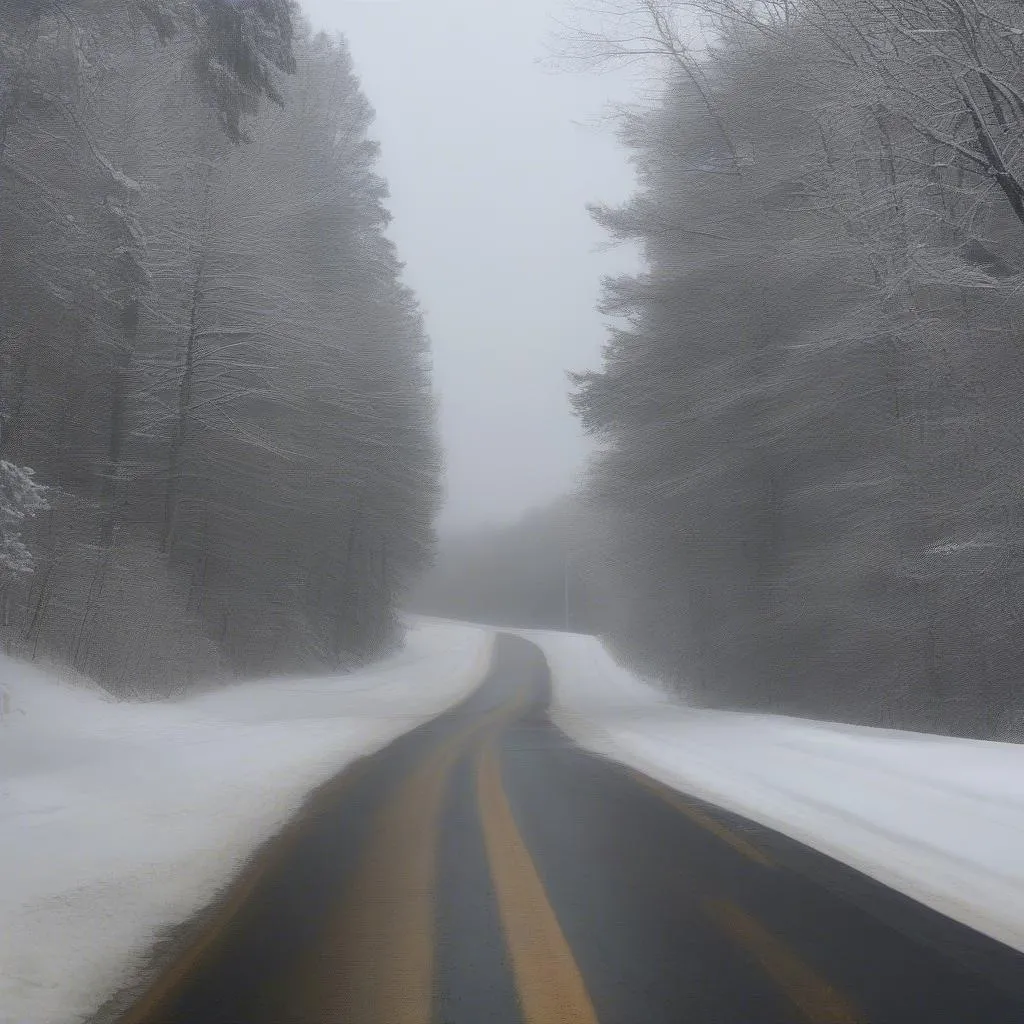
x=939, y=819
x=117, y=820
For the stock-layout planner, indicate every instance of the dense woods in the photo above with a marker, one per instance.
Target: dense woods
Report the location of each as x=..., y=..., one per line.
x=810, y=480
x=218, y=435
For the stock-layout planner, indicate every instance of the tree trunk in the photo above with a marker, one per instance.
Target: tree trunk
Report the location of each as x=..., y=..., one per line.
x=6, y=117
x=116, y=431
x=182, y=424
x=341, y=636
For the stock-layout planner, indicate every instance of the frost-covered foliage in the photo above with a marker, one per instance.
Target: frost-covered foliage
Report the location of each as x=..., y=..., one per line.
x=810, y=407
x=207, y=351
x=20, y=497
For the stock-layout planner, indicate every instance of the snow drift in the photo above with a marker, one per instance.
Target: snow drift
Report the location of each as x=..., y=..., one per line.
x=118, y=820
x=939, y=819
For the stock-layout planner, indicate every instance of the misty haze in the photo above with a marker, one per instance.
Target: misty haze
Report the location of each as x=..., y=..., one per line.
x=511, y=513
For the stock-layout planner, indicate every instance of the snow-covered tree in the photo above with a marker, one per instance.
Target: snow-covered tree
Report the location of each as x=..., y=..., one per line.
x=809, y=408
x=20, y=498
x=205, y=346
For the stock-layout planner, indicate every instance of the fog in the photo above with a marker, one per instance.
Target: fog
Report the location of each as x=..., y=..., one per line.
x=491, y=158
x=218, y=395
x=444, y=490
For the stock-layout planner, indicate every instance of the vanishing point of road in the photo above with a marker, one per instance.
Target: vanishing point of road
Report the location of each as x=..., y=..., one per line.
x=483, y=870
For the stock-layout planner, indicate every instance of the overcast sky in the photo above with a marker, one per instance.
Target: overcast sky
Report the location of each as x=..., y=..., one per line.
x=491, y=160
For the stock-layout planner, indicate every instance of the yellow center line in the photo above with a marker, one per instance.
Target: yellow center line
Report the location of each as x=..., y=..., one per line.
x=816, y=999
x=549, y=983
x=377, y=964
x=151, y=1004
x=705, y=821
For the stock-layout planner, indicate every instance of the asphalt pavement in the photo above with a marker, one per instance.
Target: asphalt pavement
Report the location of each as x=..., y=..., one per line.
x=484, y=870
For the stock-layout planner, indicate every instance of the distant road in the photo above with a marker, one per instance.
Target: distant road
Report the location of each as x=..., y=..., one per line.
x=482, y=870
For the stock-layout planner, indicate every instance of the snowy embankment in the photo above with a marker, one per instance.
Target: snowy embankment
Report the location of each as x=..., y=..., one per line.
x=939, y=819
x=118, y=820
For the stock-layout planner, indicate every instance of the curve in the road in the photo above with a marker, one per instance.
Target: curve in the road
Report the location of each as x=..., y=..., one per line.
x=483, y=870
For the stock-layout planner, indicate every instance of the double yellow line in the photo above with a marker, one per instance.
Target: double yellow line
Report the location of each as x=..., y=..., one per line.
x=378, y=965
x=550, y=986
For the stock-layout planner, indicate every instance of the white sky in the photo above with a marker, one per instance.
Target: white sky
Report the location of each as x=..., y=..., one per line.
x=491, y=159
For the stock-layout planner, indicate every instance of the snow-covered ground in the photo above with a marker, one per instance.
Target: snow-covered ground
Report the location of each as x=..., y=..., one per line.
x=941, y=820
x=118, y=820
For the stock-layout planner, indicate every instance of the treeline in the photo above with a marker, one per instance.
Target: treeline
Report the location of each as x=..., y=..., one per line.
x=810, y=409
x=534, y=573
x=207, y=356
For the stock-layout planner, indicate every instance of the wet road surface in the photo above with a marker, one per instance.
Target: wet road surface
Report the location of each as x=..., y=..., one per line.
x=483, y=870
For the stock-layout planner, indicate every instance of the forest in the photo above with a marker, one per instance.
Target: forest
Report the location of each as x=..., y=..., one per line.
x=809, y=485
x=217, y=429
x=218, y=441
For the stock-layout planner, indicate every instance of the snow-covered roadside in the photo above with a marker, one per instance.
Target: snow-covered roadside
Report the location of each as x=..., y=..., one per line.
x=939, y=819
x=118, y=820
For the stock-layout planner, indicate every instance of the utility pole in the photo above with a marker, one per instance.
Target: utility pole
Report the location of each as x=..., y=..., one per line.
x=565, y=576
